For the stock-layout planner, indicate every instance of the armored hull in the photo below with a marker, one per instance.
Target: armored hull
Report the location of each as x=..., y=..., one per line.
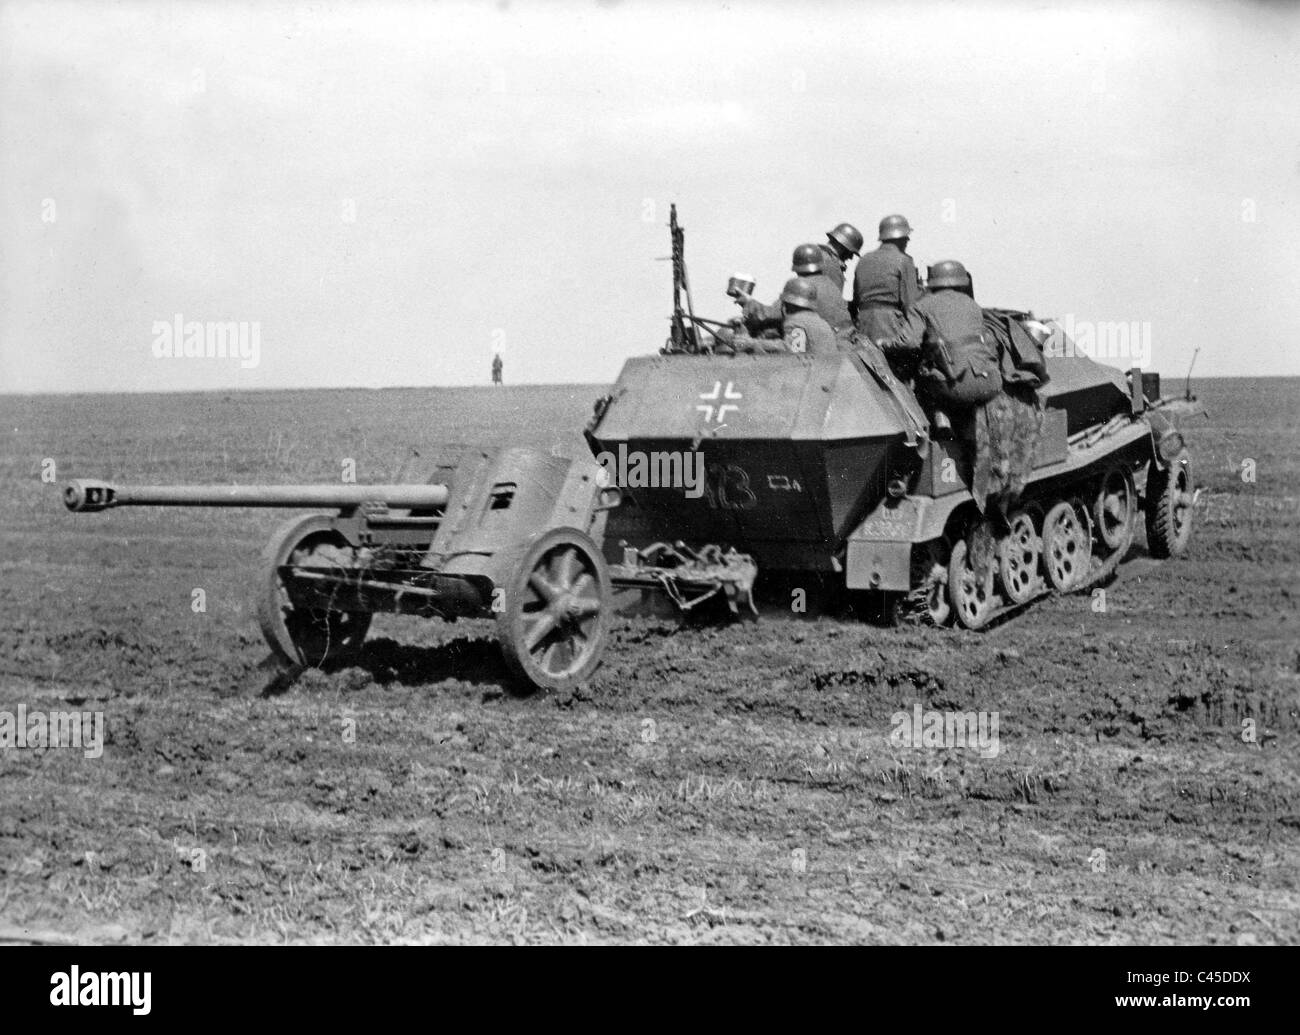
x=795, y=450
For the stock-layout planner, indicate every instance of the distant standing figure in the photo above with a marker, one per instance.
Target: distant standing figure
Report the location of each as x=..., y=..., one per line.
x=496, y=369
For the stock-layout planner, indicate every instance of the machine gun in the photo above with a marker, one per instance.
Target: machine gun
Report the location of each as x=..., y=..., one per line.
x=681, y=337
x=685, y=333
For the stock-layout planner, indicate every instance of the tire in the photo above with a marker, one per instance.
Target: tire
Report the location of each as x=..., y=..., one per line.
x=1169, y=499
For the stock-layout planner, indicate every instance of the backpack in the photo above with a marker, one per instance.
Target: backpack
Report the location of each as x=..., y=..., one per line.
x=1021, y=359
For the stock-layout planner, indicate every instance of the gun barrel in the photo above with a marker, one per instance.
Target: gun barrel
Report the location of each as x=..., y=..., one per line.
x=86, y=495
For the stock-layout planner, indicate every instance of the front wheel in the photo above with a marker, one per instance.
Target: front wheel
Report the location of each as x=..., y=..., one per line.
x=1169, y=500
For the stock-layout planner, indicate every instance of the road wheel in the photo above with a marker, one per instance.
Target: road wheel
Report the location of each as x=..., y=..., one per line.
x=310, y=636
x=1114, y=511
x=1169, y=508
x=1018, y=554
x=556, y=617
x=972, y=597
x=1067, y=547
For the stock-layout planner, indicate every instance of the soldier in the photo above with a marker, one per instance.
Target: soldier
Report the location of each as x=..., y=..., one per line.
x=496, y=368
x=842, y=244
x=960, y=371
x=885, y=284
x=959, y=362
x=809, y=262
x=805, y=330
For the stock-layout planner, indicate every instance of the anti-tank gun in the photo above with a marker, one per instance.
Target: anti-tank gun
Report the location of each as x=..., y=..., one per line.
x=508, y=534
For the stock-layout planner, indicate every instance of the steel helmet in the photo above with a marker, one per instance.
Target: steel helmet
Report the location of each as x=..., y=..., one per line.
x=848, y=237
x=947, y=274
x=799, y=294
x=808, y=258
x=892, y=228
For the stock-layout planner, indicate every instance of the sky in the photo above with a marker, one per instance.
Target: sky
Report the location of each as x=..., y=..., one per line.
x=389, y=193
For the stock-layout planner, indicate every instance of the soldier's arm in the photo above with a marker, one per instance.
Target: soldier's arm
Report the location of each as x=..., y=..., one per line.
x=759, y=317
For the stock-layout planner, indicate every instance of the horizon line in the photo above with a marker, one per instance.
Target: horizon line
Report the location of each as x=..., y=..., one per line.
x=445, y=388
x=303, y=388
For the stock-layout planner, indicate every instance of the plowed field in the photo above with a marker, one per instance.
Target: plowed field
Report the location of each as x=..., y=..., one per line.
x=713, y=782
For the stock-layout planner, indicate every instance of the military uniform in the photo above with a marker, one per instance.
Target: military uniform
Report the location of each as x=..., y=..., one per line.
x=830, y=304
x=834, y=267
x=843, y=242
x=807, y=332
x=962, y=373
x=884, y=289
x=959, y=361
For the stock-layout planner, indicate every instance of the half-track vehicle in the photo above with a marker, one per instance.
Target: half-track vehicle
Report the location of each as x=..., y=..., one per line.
x=826, y=470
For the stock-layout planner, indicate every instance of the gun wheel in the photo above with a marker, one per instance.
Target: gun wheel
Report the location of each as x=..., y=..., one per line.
x=298, y=635
x=973, y=599
x=1067, y=547
x=555, y=622
x=1018, y=553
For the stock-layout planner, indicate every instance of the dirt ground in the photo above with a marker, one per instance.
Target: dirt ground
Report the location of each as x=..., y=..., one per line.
x=713, y=783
